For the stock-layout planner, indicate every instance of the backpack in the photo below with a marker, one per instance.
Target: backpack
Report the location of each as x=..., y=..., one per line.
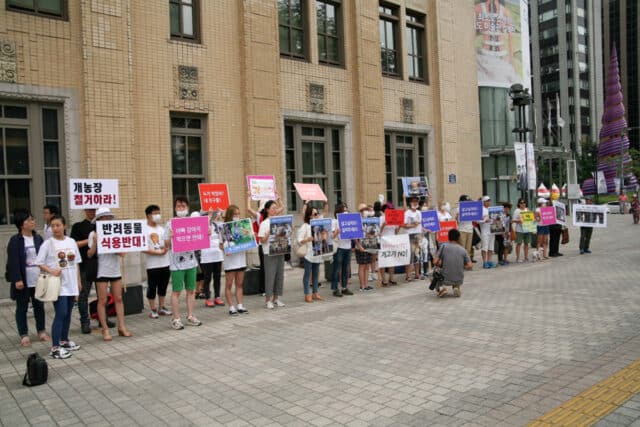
x=111, y=307
x=37, y=371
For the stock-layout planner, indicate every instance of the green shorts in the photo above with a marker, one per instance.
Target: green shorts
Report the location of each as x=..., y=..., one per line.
x=182, y=279
x=523, y=238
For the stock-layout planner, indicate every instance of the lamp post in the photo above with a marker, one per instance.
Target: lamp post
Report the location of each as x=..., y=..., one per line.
x=520, y=99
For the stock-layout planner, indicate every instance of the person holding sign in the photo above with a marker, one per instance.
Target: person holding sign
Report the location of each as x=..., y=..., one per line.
x=585, y=235
x=234, y=266
x=413, y=227
x=274, y=264
x=158, y=261
x=109, y=272
x=488, y=238
x=211, y=261
x=543, y=230
x=311, y=262
x=522, y=236
x=363, y=258
x=342, y=257
x=387, y=230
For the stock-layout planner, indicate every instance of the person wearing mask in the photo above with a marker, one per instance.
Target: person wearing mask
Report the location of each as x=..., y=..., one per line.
x=488, y=239
x=464, y=227
x=257, y=218
x=211, y=262
x=184, y=267
x=342, y=257
x=109, y=273
x=273, y=264
x=158, y=261
x=234, y=266
x=413, y=227
x=363, y=258
x=59, y=256
x=453, y=259
x=387, y=230
x=23, y=272
x=522, y=236
x=543, y=231
x=311, y=262
x=48, y=211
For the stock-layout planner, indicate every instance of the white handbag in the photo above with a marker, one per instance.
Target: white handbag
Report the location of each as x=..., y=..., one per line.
x=48, y=287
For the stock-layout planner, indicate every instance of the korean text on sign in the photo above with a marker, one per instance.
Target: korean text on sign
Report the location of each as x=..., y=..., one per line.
x=213, y=196
x=350, y=225
x=121, y=236
x=93, y=193
x=190, y=234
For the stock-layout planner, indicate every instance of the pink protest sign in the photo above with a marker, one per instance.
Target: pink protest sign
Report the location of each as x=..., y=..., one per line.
x=310, y=191
x=190, y=234
x=548, y=215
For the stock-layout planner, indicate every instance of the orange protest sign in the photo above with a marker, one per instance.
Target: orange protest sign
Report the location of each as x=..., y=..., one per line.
x=213, y=196
x=445, y=226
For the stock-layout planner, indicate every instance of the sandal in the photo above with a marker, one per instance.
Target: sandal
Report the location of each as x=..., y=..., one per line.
x=44, y=337
x=25, y=342
x=385, y=284
x=106, y=336
x=392, y=283
x=124, y=333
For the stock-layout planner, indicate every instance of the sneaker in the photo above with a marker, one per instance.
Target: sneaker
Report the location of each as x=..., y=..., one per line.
x=177, y=324
x=243, y=310
x=587, y=251
x=485, y=265
x=218, y=301
x=371, y=278
x=279, y=303
x=492, y=264
x=361, y=289
x=233, y=312
x=502, y=262
x=70, y=346
x=269, y=305
x=337, y=293
x=193, y=321
x=368, y=288
x=85, y=328
x=164, y=312
x=153, y=314
x=456, y=291
x=209, y=303
x=346, y=291
x=59, y=353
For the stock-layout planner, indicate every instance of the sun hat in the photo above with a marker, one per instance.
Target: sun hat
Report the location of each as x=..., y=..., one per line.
x=486, y=198
x=542, y=200
x=102, y=212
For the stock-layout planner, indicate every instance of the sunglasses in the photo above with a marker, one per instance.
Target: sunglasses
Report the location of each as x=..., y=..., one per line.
x=315, y=214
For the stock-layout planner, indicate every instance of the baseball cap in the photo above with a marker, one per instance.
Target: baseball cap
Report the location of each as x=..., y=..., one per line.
x=486, y=198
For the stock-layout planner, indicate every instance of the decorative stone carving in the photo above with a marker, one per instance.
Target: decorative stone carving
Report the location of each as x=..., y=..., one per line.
x=8, y=62
x=316, y=98
x=188, y=82
x=407, y=110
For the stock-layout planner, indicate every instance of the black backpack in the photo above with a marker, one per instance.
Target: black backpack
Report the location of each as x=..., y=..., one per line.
x=37, y=371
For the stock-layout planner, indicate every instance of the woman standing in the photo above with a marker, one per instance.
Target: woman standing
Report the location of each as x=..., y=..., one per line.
x=23, y=274
x=109, y=272
x=363, y=258
x=387, y=230
x=311, y=262
x=522, y=236
x=543, y=231
x=412, y=226
x=273, y=264
x=234, y=266
x=342, y=257
x=59, y=256
x=211, y=262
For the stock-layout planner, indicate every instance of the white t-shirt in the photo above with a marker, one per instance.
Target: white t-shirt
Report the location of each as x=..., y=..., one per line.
x=342, y=243
x=444, y=216
x=464, y=226
x=388, y=230
x=264, y=230
x=234, y=261
x=516, y=217
x=179, y=260
x=32, y=268
x=304, y=232
x=109, y=265
x=485, y=227
x=213, y=253
x=155, y=241
x=412, y=217
x=63, y=255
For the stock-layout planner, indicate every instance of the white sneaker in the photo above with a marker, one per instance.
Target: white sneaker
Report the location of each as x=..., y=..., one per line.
x=153, y=314
x=279, y=303
x=371, y=278
x=269, y=305
x=193, y=321
x=177, y=324
x=60, y=353
x=70, y=346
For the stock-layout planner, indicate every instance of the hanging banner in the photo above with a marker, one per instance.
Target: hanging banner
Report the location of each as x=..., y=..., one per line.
x=394, y=250
x=470, y=211
x=93, y=193
x=602, y=183
x=310, y=191
x=445, y=226
x=213, y=197
x=262, y=187
x=322, y=237
x=350, y=225
x=589, y=216
x=121, y=236
x=371, y=231
x=415, y=186
x=520, y=152
x=430, y=221
x=280, y=234
x=496, y=214
x=531, y=166
x=528, y=222
x=561, y=212
x=237, y=236
x=547, y=215
x=190, y=234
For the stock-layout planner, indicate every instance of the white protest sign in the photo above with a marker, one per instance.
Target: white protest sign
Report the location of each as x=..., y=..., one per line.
x=589, y=216
x=93, y=193
x=121, y=236
x=394, y=250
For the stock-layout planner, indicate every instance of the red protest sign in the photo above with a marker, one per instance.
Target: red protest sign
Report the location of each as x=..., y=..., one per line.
x=445, y=226
x=213, y=196
x=394, y=217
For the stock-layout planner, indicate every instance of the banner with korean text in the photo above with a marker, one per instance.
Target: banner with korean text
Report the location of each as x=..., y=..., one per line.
x=190, y=234
x=394, y=250
x=121, y=236
x=213, y=196
x=93, y=193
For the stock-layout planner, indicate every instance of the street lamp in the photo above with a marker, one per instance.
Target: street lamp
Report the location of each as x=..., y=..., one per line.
x=520, y=99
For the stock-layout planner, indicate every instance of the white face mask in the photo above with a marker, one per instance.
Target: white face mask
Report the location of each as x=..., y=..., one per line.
x=236, y=218
x=413, y=206
x=424, y=209
x=182, y=214
x=156, y=218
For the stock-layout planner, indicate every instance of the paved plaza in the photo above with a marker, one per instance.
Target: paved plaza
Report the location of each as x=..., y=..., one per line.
x=522, y=341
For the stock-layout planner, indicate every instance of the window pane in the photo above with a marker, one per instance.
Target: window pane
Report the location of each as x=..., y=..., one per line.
x=187, y=20
x=179, y=187
x=390, y=35
x=52, y=181
x=51, y=6
x=27, y=4
x=383, y=42
x=337, y=180
x=284, y=40
x=4, y=214
x=178, y=156
x=318, y=157
x=49, y=123
x=322, y=48
x=321, y=9
x=290, y=156
x=194, y=123
x=193, y=195
x=54, y=200
x=332, y=28
x=178, y=122
x=335, y=159
x=335, y=140
x=288, y=137
x=174, y=18
x=333, y=52
x=307, y=158
x=283, y=12
x=318, y=131
x=409, y=41
x=298, y=41
x=17, y=151
x=51, y=159
x=15, y=112
x=195, y=155
x=296, y=13
x=307, y=131
x=19, y=194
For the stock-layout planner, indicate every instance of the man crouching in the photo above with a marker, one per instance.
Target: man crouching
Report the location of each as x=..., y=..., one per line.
x=453, y=259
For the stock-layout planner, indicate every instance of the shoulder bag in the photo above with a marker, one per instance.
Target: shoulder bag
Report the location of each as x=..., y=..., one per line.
x=47, y=287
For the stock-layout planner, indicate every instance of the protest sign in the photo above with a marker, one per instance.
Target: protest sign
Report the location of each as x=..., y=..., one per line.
x=190, y=234
x=213, y=196
x=237, y=236
x=281, y=228
x=547, y=215
x=496, y=215
x=445, y=226
x=121, y=236
x=322, y=236
x=415, y=186
x=528, y=222
x=430, y=221
x=310, y=191
x=262, y=187
x=350, y=225
x=589, y=216
x=394, y=217
x=470, y=211
x=93, y=193
x=561, y=212
x=371, y=230
x=394, y=250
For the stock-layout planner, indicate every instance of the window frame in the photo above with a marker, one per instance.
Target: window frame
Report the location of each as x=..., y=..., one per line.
x=195, y=14
x=194, y=200
x=38, y=11
x=394, y=19
x=304, y=29
x=337, y=4
x=418, y=24
x=420, y=160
